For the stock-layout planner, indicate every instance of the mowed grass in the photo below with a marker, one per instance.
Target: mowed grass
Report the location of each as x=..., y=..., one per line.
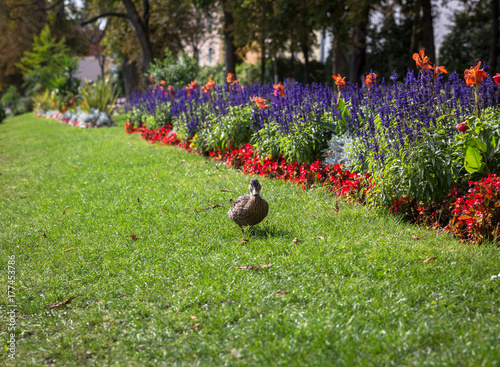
x=357, y=290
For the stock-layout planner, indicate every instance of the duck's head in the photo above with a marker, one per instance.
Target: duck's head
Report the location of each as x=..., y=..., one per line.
x=255, y=186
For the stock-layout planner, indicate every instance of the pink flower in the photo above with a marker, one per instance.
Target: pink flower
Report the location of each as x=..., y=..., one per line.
x=462, y=127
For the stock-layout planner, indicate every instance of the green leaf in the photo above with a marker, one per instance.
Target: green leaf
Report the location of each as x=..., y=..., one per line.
x=473, y=160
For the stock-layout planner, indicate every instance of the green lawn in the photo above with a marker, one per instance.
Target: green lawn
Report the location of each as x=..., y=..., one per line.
x=358, y=290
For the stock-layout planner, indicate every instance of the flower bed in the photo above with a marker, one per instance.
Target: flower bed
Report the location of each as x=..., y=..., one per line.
x=417, y=143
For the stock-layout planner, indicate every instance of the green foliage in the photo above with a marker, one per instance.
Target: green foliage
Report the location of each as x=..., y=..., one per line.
x=11, y=98
x=159, y=119
x=303, y=143
x=65, y=84
x=136, y=117
x=219, y=131
x=481, y=145
x=175, y=72
x=217, y=73
x=44, y=63
x=46, y=101
x=425, y=170
x=2, y=113
x=25, y=104
x=101, y=95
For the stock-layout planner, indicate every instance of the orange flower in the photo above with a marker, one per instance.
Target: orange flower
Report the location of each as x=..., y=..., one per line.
x=371, y=79
x=230, y=78
x=339, y=81
x=279, y=90
x=190, y=87
x=162, y=82
x=422, y=61
x=261, y=102
x=439, y=70
x=171, y=91
x=209, y=86
x=151, y=79
x=474, y=76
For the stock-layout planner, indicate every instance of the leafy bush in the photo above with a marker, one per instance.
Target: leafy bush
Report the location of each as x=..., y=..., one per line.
x=25, y=104
x=303, y=143
x=11, y=98
x=100, y=95
x=45, y=101
x=175, y=72
x=65, y=84
x=2, y=113
x=339, y=151
x=476, y=216
x=44, y=62
x=425, y=170
x=216, y=73
x=223, y=131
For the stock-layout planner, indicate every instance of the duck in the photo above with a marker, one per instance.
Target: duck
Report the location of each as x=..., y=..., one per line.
x=249, y=210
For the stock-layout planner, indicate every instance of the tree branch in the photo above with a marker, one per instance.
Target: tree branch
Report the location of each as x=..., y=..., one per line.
x=104, y=15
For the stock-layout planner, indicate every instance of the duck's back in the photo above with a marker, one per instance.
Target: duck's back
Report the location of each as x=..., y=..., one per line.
x=248, y=210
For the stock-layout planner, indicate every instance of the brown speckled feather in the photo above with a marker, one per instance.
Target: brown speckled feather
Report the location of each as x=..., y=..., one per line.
x=248, y=210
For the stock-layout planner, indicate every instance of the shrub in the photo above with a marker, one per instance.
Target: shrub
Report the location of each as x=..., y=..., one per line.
x=25, y=104
x=100, y=95
x=222, y=131
x=476, y=216
x=45, y=101
x=339, y=151
x=11, y=98
x=175, y=72
x=2, y=113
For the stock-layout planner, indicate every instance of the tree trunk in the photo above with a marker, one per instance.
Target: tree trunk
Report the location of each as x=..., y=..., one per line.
x=415, y=32
x=428, y=30
x=130, y=77
x=358, y=55
x=492, y=61
x=339, y=57
x=141, y=29
x=262, y=60
x=305, y=53
x=228, y=31
x=338, y=43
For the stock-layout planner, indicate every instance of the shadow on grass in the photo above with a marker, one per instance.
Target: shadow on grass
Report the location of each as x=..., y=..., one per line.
x=268, y=231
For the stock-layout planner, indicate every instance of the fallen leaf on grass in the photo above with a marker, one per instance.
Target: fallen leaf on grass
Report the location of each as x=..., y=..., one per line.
x=138, y=200
x=321, y=238
x=230, y=200
x=44, y=235
x=296, y=240
x=244, y=240
x=68, y=301
x=336, y=207
x=22, y=197
x=183, y=160
x=235, y=353
x=220, y=176
x=64, y=211
x=208, y=207
x=226, y=191
x=426, y=261
x=415, y=237
x=25, y=180
x=266, y=222
x=253, y=267
x=193, y=317
x=279, y=293
x=68, y=250
x=134, y=237
x=196, y=326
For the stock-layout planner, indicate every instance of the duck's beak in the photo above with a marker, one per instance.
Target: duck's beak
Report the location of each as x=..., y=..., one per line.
x=255, y=191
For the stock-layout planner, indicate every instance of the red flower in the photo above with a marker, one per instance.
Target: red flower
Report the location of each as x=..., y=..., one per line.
x=261, y=102
x=339, y=81
x=474, y=76
x=496, y=78
x=279, y=90
x=209, y=86
x=421, y=60
x=371, y=79
x=462, y=127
